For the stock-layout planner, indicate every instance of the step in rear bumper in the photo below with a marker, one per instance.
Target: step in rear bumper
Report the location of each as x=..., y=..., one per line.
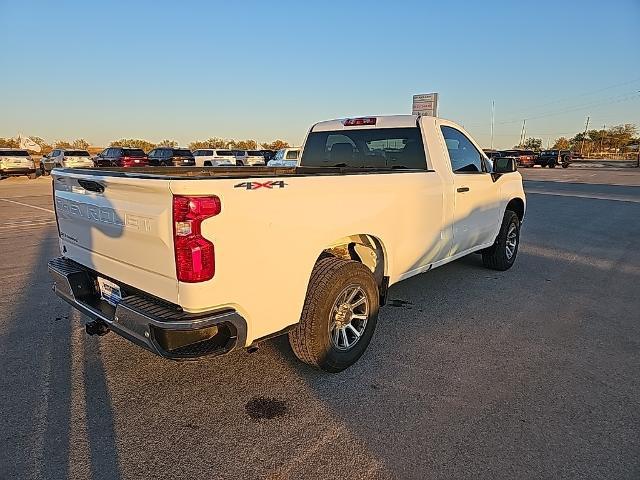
x=160, y=327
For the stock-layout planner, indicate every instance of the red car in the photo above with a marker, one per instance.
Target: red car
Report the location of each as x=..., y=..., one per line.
x=122, y=157
x=525, y=158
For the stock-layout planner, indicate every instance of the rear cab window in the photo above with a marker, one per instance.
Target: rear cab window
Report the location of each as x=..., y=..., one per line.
x=400, y=148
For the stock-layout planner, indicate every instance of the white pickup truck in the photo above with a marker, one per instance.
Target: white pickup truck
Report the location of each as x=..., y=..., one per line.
x=191, y=262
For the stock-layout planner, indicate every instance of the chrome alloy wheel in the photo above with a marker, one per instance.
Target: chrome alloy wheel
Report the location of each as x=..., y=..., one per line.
x=348, y=317
x=512, y=241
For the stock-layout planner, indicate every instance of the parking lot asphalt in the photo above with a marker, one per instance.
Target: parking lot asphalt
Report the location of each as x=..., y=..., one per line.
x=472, y=373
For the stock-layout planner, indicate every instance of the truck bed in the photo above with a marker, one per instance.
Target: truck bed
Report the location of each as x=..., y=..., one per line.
x=185, y=173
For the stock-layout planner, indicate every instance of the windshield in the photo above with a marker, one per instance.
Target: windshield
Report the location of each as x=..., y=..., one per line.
x=203, y=153
x=279, y=155
x=14, y=153
x=254, y=153
x=365, y=148
x=76, y=153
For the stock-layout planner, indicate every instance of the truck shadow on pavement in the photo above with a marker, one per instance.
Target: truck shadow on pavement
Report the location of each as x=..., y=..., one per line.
x=39, y=350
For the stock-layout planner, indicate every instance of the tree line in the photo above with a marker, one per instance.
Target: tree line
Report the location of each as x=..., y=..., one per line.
x=213, y=142
x=616, y=139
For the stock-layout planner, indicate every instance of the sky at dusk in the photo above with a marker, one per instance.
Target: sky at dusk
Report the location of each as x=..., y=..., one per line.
x=265, y=70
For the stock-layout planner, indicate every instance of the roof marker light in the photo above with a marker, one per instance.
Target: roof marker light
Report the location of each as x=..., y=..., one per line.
x=354, y=122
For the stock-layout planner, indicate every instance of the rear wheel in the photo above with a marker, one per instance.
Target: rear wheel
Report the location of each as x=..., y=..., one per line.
x=502, y=254
x=43, y=171
x=33, y=176
x=239, y=163
x=339, y=315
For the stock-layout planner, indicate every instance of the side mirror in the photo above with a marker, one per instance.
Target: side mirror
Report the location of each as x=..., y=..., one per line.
x=504, y=165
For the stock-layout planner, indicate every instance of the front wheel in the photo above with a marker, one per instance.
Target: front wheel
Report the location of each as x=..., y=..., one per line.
x=565, y=165
x=502, y=254
x=33, y=176
x=338, y=317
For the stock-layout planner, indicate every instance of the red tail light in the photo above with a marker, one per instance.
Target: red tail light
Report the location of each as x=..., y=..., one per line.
x=195, y=258
x=132, y=161
x=352, y=122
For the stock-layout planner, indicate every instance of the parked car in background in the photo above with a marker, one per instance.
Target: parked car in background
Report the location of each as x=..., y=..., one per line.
x=285, y=157
x=63, y=158
x=268, y=154
x=526, y=158
x=490, y=153
x=121, y=157
x=16, y=162
x=212, y=157
x=252, y=158
x=551, y=158
x=171, y=157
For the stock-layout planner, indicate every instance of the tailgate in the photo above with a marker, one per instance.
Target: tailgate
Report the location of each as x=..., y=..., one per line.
x=120, y=227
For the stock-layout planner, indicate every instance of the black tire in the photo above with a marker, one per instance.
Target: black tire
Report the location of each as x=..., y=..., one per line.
x=239, y=163
x=552, y=164
x=311, y=339
x=32, y=176
x=565, y=165
x=496, y=257
x=43, y=171
x=207, y=164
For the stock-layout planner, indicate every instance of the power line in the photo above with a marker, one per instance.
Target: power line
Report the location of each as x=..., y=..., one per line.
x=569, y=109
x=609, y=101
x=580, y=95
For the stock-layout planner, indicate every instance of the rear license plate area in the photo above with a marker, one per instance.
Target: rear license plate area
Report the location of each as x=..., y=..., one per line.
x=109, y=291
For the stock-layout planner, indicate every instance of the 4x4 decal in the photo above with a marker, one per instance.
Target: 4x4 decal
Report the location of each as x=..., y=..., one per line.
x=256, y=185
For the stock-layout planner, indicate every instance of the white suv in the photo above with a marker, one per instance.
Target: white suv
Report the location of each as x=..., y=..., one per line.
x=60, y=158
x=252, y=158
x=286, y=157
x=15, y=162
x=211, y=157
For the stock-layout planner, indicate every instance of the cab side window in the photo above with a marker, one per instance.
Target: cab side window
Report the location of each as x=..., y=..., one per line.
x=463, y=155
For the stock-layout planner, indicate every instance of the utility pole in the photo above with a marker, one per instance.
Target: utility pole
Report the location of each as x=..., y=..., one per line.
x=604, y=133
x=586, y=126
x=522, y=134
x=493, y=119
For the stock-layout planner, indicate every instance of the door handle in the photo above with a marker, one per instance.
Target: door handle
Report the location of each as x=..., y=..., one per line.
x=463, y=189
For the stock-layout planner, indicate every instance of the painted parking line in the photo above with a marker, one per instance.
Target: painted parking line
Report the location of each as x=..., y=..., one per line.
x=26, y=205
x=619, y=198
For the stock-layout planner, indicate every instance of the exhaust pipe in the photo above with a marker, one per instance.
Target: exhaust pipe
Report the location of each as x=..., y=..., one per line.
x=96, y=327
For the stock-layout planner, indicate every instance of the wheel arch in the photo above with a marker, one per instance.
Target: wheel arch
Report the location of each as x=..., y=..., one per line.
x=365, y=248
x=516, y=205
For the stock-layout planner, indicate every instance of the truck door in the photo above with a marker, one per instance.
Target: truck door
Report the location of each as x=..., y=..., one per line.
x=476, y=210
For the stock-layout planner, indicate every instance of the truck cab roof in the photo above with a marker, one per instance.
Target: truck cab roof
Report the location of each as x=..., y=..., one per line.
x=382, y=121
